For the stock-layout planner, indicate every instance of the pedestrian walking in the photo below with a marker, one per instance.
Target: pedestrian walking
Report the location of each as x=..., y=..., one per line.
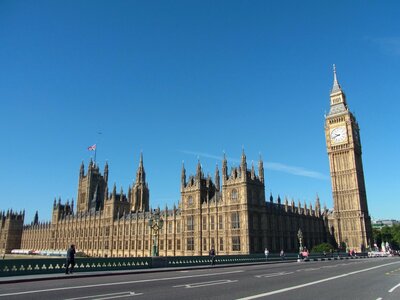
x=282, y=254
x=70, y=260
x=212, y=255
x=266, y=252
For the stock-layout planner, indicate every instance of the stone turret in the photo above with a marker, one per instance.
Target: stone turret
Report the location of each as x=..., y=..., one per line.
x=140, y=192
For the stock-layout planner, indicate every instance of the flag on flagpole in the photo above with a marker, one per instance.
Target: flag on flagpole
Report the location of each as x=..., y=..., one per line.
x=92, y=148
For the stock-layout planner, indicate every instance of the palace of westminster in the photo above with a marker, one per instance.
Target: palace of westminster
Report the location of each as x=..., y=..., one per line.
x=229, y=212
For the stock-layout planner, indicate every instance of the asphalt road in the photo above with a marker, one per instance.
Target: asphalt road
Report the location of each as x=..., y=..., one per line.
x=377, y=278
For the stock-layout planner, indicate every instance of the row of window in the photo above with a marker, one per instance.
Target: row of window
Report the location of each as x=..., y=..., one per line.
x=144, y=245
x=82, y=232
x=235, y=244
x=235, y=222
x=141, y=229
x=234, y=196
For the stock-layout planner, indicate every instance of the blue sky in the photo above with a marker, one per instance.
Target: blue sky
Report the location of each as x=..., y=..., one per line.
x=180, y=80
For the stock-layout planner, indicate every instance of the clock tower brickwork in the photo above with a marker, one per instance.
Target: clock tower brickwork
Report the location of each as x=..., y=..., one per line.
x=350, y=222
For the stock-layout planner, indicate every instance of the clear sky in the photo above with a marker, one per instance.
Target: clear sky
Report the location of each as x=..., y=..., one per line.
x=180, y=80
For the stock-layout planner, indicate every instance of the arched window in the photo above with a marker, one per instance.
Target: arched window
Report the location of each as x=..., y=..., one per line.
x=190, y=201
x=235, y=220
x=234, y=195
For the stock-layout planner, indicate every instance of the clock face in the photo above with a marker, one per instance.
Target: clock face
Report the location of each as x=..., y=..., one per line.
x=338, y=134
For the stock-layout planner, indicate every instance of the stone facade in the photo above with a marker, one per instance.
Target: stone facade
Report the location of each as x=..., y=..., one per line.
x=11, y=224
x=231, y=214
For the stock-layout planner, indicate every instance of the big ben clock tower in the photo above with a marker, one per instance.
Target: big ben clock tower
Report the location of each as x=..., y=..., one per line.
x=350, y=220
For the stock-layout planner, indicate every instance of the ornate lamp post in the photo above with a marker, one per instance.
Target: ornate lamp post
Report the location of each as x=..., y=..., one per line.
x=300, y=237
x=155, y=223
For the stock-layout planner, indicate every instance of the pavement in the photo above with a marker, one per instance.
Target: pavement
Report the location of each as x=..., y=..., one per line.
x=62, y=275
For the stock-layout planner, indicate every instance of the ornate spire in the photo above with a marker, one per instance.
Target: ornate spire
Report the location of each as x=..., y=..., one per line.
x=82, y=170
x=261, y=169
x=243, y=163
x=243, y=156
x=106, y=172
x=217, y=183
x=114, y=191
x=36, y=218
x=224, y=168
x=183, y=175
x=140, y=174
x=198, y=170
x=336, y=86
x=317, y=203
x=121, y=197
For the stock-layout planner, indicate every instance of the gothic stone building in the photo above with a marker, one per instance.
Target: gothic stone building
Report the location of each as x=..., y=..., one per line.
x=234, y=217
x=230, y=213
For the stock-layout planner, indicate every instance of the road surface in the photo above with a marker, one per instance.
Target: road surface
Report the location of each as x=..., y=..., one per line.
x=375, y=278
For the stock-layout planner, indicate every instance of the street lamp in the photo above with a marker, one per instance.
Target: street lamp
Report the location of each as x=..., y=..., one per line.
x=155, y=223
x=300, y=237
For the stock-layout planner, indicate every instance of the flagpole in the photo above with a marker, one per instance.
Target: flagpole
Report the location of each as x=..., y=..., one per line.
x=97, y=143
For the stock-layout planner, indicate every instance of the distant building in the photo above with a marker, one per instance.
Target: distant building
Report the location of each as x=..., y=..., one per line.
x=230, y=212
x=378, y=224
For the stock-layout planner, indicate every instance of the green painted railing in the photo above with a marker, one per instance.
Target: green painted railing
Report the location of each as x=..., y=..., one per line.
x=12, y=267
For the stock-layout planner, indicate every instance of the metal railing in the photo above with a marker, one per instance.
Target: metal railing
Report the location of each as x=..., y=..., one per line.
x=29, y=266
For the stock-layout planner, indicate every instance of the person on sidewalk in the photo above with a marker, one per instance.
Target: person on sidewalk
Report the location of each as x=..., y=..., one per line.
x=212, y=255
x=282, y=255
x=266, y=252
x=70, y=260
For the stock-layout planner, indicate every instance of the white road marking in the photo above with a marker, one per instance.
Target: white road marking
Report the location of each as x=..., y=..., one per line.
x=201, y=284
x=121, y=296
x=307, y=269
x=124, y=294
x=379, y=299
x=313, y=282
x=393, y=288
x=273, y=274
x=116, y=283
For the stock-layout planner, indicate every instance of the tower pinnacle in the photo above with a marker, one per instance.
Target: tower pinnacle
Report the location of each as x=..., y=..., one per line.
x=336, y=86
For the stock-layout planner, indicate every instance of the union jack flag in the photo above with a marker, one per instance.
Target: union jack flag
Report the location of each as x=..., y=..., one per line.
x=92, y=148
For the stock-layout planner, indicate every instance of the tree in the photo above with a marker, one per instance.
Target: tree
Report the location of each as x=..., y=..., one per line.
x=324, y=247
x=387, y=234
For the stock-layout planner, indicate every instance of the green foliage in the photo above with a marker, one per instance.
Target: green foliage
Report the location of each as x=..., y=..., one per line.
x=387, y=234
x=343, y=246
x=322, y=247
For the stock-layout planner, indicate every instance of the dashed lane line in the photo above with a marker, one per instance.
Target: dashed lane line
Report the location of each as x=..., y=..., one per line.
x=116, y=283
x=273, y=274
x=108, y=296
x=315, y=282
x=202, y=284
